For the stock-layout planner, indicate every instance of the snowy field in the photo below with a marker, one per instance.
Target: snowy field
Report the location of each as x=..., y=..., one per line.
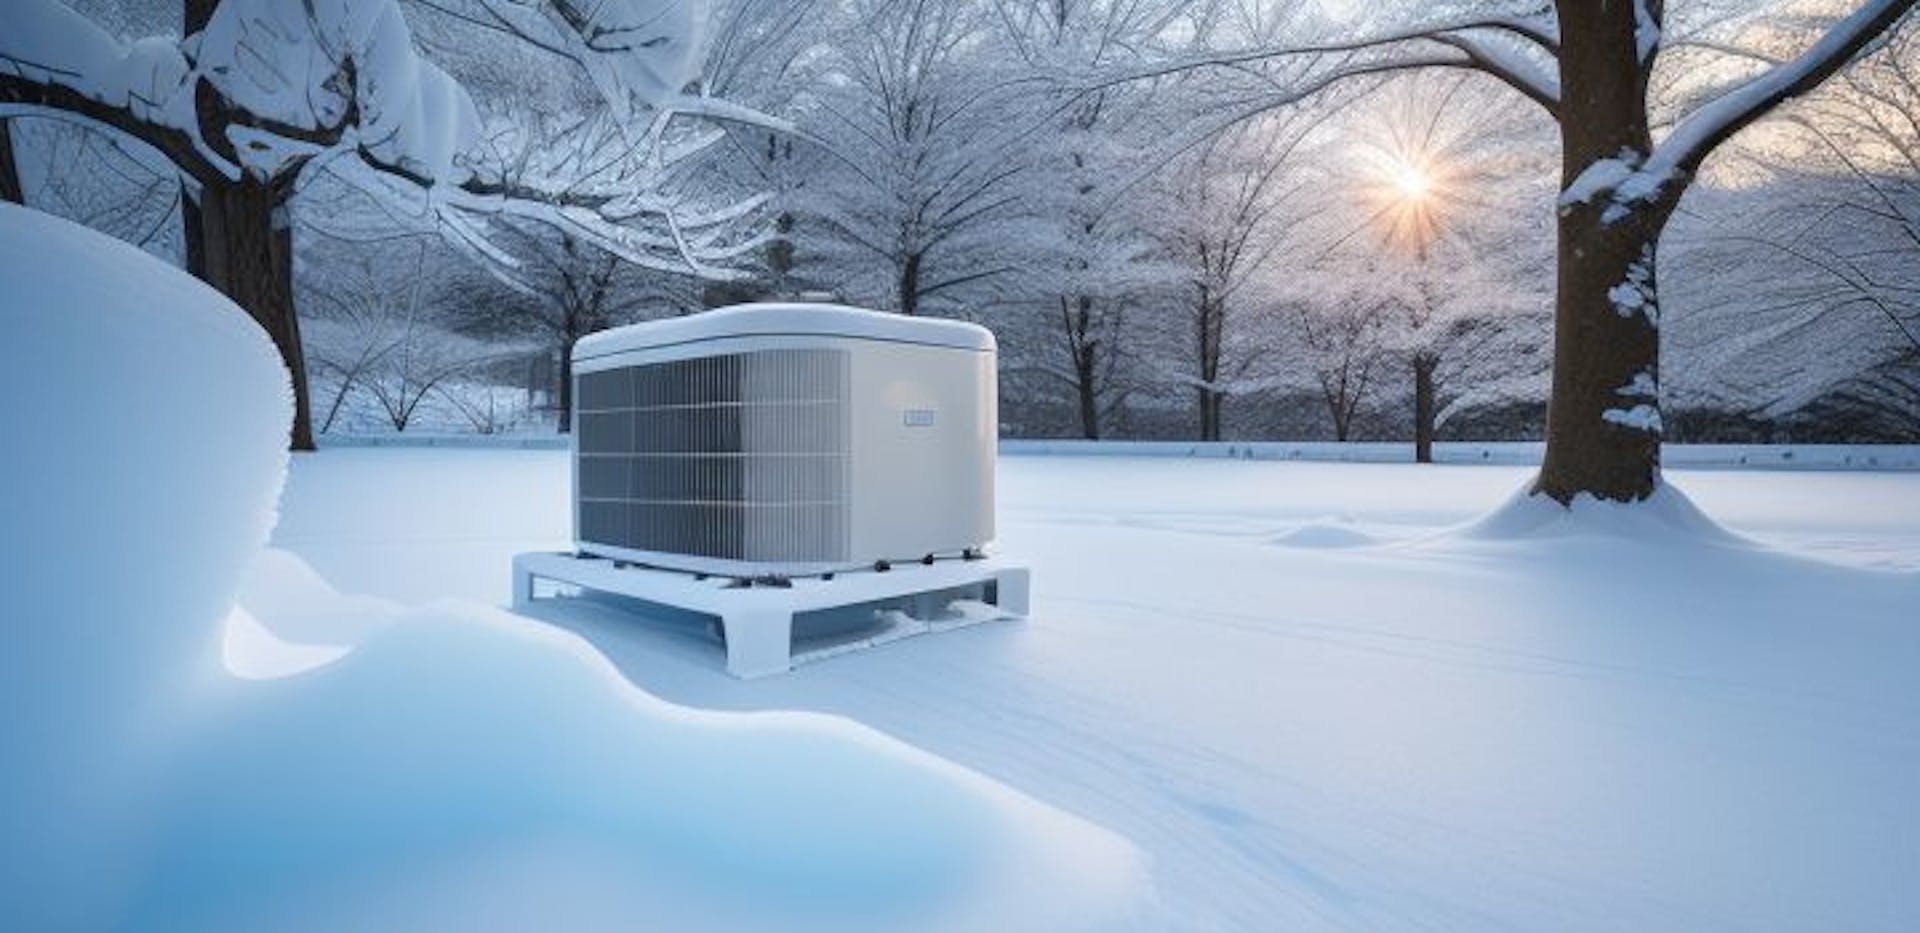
x=1316, y=701
x=202, y=735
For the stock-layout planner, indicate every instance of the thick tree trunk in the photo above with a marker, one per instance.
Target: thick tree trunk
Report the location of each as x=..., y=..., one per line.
x=1423, y=366
x=9, y=172
x=240, y=241
x=1603, y=419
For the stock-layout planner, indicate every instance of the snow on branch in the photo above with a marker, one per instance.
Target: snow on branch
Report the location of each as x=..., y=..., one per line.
x=1648, y=29
x=1624, y=183
x=641, y=55
x=1539, y=84
x=1713, y=123
x=1497, y=45
x=57, y=62
x=272, y=89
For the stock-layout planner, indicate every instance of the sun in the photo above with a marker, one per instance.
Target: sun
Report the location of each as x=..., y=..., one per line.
x=1412, y=183
x=1408, y=182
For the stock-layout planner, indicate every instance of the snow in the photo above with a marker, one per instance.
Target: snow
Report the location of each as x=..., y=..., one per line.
x=1612, y=719
x=1639, y=417
x=639, y=54
x=777, y=319
x=1626, y=297
x=201, y=735
x=139, y=477
x=1635, y=295
x=340, y=84
x=1628, y=179
x=1324, y=535
x=281, y=62
x=49, y=41
x=1542, y=82
x=1646, y=31
x=1602, y=176
x=1642, y=385
x=1700, y=130
x=1667, y=517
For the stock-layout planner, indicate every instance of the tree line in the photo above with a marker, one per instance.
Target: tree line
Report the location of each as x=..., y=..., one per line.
x=1176, y=215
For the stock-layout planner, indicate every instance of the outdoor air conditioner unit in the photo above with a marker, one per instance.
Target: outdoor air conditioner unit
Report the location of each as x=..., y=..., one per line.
x=780, y=440
x=811, y=478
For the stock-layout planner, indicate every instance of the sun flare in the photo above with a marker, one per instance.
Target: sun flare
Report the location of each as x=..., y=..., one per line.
x=1412, y=183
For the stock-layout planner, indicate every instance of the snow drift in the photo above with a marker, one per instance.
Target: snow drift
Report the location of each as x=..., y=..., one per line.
x=452, y=765
x=1666, y=517
x=145, y=428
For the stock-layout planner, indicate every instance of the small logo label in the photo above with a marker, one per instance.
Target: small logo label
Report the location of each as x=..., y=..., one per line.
x=918, y=417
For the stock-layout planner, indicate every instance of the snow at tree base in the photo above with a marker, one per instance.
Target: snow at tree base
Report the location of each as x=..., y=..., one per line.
x=454, y=766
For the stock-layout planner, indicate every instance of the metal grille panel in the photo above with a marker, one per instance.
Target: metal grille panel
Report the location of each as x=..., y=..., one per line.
x=737, y=457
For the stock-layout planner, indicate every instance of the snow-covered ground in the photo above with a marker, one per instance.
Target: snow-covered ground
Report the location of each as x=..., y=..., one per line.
x=1316, y=701
x=196, y=734
x=1310, y=695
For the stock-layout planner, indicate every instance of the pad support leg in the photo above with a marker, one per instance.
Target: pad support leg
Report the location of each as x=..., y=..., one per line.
x=759, y=642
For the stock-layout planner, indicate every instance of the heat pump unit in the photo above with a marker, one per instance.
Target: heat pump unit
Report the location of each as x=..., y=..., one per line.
x=784, y=440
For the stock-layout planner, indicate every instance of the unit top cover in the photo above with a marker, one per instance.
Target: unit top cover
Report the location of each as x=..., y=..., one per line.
x=795, y=320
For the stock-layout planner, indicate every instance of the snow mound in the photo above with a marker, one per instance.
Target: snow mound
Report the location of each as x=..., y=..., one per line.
x=143, y=447
x=305, y=760
x=523, y=779
x=1666, y=517
x=1325, y=535
x=287, y=620
x=292, y=601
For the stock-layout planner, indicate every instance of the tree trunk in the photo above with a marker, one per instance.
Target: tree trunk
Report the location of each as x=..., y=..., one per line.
x=563, y=412
x=910, y=285
x=1211, y=323
x=1089, y=405
x=240, y=240
x=9, y=172
x=1423, y=366
x=339, y=399
x=1341, y=415
x=780, y=255
x=1603, y=419
x=1086, y=363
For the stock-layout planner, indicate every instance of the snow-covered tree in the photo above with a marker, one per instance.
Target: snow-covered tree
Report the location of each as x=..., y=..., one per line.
x=769, y=55
x=381, y=344
x=1239, y=204
x=1092, y=265
x=257, y=96
x=82, y=175
x=1343, y=339
x=1860, y=179
x=1448, y=184
x=579, y=289
x=1597, y=67
x=918, y=195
